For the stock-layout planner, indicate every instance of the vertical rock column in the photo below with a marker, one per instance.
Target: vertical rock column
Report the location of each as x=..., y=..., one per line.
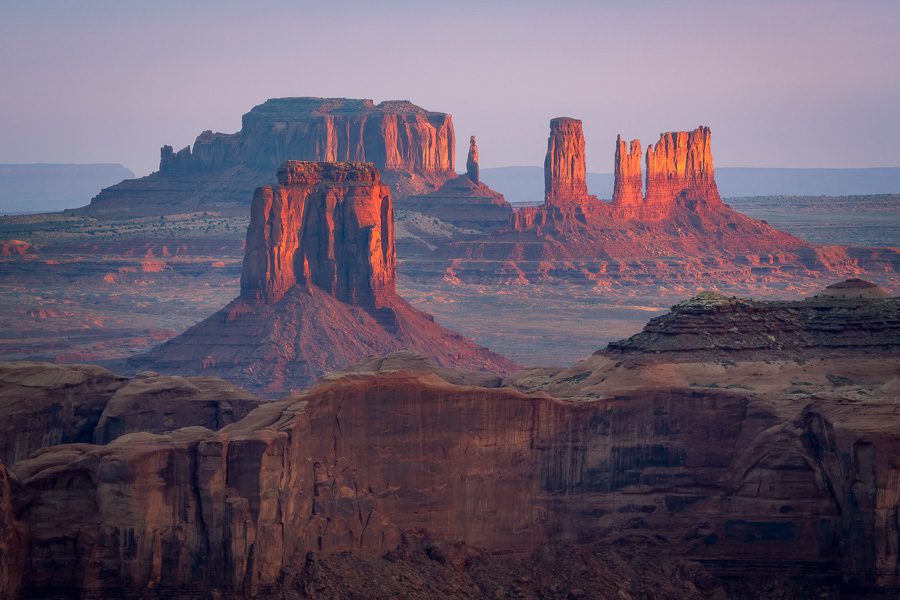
x=564, y=167
x=627, y=187
x=472, y=161
x=680, y=167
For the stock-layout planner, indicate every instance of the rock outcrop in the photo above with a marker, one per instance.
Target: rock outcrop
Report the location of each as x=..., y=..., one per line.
x=325, y=224
x=472, y=161
x=155, y=403
x=412, y=147
x=565, y=174
x=773, y=471
x=318, y=290
x=627, y=184
x=680, y=168
x=43, y=405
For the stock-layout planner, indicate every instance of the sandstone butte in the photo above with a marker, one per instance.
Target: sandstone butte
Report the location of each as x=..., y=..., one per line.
x=413, y=148
x=679, y=230
x=734, y=448
x=318, y=290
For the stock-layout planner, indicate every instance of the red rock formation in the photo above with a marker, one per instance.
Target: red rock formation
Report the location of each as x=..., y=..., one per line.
x=564, y=167
x=472, y=161
x=413, y=148
x=680, y=168
x=325, y=224
x=10, y=248
x=42, y=405
x=318, y=290
x=157, y=403
x=628, y=186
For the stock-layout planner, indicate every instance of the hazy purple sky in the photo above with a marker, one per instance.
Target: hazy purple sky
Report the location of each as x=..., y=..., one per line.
x=791, y=83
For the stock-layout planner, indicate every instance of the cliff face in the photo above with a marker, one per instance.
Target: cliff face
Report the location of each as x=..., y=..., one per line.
x=627, y=184
x=318, y=290
x=680, y=166
x=412, y=147
x=564, y=167
x=325, y=224
x=472, y=161
x=393, y=135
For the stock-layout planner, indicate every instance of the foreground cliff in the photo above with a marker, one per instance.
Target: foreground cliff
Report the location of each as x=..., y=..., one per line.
x=412, y=147
x=318, y=290
x=736, y=475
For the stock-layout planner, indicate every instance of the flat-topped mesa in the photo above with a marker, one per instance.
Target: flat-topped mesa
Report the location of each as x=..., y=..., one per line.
x=565, y=179
x=627, y=187
x=394, y=135
x=680, y=168
x=325, y=224
x=472, y=161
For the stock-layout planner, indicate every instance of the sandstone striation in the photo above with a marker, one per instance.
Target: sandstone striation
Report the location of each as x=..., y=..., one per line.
x=628, y=196
x=772, y=471
x=43, y=405
x=324, y=224
x=158, y=403
x=318, y=290
x=412, y=147
x=565, y=178
x=680, y=168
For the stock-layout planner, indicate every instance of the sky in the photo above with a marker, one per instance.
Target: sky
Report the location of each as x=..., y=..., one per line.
x=781, y=83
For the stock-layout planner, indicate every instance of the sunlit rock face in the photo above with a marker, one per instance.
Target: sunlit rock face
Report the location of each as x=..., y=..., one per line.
x=325, y=224
x=318, y=290
x=413, y=148
x=472, y=161
x=564, y=166
x=393, y=135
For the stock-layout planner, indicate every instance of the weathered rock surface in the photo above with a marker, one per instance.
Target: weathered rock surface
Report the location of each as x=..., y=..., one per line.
x=472, y=161
x=680, y=232
x=711, y=326
x=318, y=290
x=775, y=471
x=43, y=405
x=16, y=248
x=469, y=206
x=627, y=184
x=155, y=403
x=413, y=147
x=565, y=178
x=680, y=167
x=324, y=224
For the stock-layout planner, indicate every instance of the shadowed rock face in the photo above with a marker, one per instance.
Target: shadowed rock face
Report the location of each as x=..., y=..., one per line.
x=318, y=290
x=472, y=161
x=325, y=224
x=755, y=466
x=564, y=167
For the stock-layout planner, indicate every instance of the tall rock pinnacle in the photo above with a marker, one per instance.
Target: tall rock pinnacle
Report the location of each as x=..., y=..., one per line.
x=564, y=166
x=472, y=160
x=324, y=224
x=627, y=188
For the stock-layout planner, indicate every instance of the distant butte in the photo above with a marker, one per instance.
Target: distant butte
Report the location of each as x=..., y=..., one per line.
x=412, y=147
x=318, y=290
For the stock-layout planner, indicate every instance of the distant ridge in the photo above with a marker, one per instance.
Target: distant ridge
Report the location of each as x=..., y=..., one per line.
x=44, y=187
x=525, y=184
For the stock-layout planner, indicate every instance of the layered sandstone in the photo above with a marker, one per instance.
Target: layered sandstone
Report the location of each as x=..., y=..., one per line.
x=157, y=403
x=413, y=147
x=43, y=405
x=763, y=470
x=627, y=184
x=318, y=290
x=565, y=178
x=680, y=168
x=324, y=224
